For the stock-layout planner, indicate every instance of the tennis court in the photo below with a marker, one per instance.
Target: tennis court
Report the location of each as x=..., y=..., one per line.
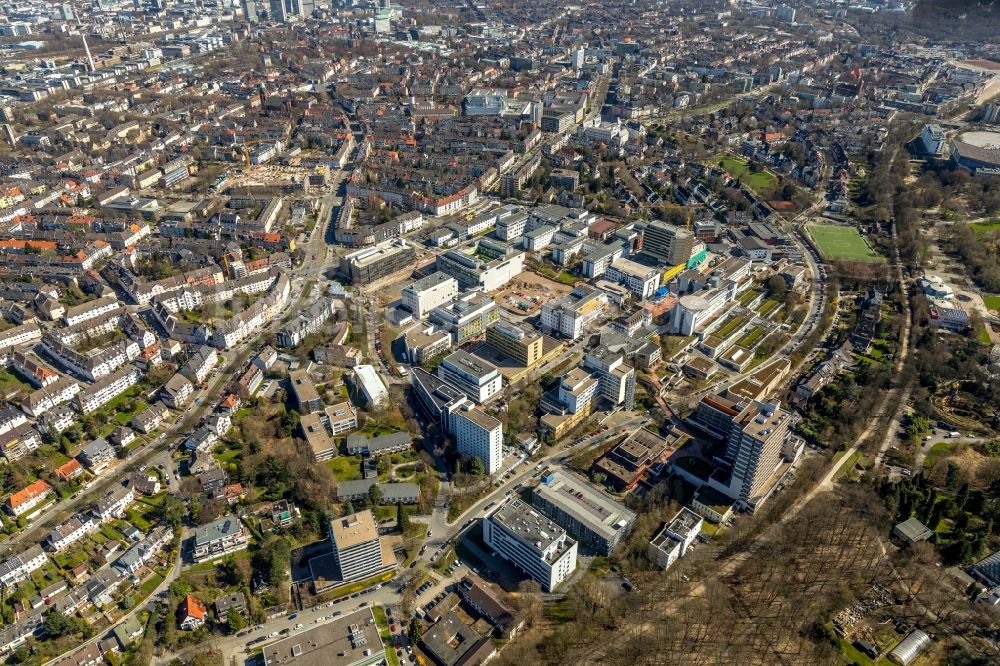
x=839, y=243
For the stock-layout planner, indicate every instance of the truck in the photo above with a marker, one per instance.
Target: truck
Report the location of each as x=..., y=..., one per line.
x=954, y=434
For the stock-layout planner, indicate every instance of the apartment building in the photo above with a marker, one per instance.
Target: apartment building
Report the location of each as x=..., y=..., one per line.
x=69, y=532
x=97, y=455
x=596, y=521
x=19, y=442
x=177, y=391
x=341, y=418
x=531, y=542
x=305, y=393
x=250, y=381
x=17, y=568
x=114, y=503
x=29, y=497
x=60, y=391
x=11, y=418
x=150, y=418
x=467, y=316
x=218, y=539
x=57, y=419
x=104, y=391
x=515, y=341
x=568, y=315
x=478, y=435
x=357, y=549
x=95, y=364
x=89, y=310
x=319, y=441
x=673, y=540
x=480, y=380
x=310, y=321
x=382, y=445
x=19, y=335
x=200, y=365
x=427, y=293
x=31, y=368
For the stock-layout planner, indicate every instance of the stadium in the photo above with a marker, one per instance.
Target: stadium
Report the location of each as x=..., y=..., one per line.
x=978, y=151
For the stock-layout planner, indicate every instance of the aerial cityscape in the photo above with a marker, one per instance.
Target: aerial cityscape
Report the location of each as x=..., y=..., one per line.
x=446, y=332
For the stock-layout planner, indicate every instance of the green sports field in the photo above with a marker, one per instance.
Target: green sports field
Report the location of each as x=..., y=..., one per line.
x=737, y=168
x=838, y=243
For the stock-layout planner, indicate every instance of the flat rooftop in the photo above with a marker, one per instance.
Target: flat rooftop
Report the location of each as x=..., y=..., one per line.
x=528, y=524
x=351, y=530
x=469, y=364
x=599, y=513
x=345, y=641
x=685, y=523
x=303, y=386
x=479, y=417
x=433, y=280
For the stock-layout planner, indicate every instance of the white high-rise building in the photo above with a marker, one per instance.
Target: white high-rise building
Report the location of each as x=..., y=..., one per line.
x=428, y=293
x=473, y=376
x=531, y=542
x=479, y=435
x=356, y=546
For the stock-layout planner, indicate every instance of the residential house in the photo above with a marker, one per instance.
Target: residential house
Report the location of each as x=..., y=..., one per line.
x=16, y=569
x=235, y=601
x=114, y=503
x=97, y=456
x=66, y=534
x=176, y=392
x=150, y=418
x=26, y=499
x=200, y=365
x=191, y=614
x=217, y=539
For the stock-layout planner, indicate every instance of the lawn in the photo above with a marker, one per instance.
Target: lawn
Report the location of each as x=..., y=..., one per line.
x=345, y=468
x=768, y=306
x=992, y=301
x=985, y=227
x=740, y=169
x=445, y=560
x=351, y=588
x=937, y=452
x=841, y=243
x=138, y=520
x=150, y=584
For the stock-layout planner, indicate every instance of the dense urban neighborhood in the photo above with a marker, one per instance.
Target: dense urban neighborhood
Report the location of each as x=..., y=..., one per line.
x=452, y=332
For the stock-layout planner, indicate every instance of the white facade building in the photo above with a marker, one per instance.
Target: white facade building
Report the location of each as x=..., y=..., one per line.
x=532, y=542
x=367, y=379
x=428, y=293
x=568, y=315
x=479, y=379
x=478, y=435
